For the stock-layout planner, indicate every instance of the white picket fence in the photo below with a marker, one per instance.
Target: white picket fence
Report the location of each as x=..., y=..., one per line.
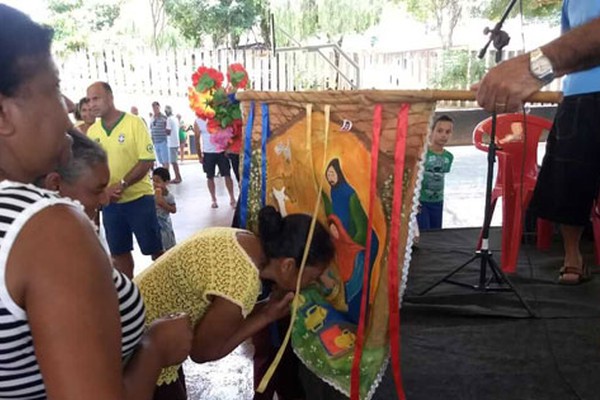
x=141, y=75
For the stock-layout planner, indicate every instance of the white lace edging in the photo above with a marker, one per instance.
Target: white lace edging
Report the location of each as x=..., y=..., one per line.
x=337, y=387
x=412, y=226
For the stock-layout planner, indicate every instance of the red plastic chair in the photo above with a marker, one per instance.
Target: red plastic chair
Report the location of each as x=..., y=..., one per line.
x=517, y=174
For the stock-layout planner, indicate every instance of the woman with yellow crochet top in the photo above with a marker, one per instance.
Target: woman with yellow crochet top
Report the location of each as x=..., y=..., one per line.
x=215, y=277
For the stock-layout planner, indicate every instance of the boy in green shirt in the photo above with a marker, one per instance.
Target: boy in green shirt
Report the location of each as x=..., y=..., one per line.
x=437, y=163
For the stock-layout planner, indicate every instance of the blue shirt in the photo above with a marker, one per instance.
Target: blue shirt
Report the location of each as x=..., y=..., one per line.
x=574, y=14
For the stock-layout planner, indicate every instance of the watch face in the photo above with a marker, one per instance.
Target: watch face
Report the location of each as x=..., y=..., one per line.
x=541, y=68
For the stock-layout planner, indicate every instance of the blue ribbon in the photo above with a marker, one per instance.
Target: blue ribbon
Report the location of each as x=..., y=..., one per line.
x=266, y=133
x=246, y=168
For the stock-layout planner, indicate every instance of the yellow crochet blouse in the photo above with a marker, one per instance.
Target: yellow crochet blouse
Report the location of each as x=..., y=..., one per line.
x=211, y=262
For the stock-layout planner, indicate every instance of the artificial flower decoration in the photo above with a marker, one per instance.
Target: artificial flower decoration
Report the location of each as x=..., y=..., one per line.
x=237, y=76
x=217, y=105
x=206, y=79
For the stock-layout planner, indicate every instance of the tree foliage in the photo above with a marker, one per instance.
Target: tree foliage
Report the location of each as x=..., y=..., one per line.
x=75, y=20
x=532, y=9
x=225, y=21
x=331, y=18
x=458, y=69
x=445, y=14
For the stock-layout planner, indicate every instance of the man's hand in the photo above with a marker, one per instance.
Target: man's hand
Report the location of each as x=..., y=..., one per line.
x=504, y=88
x=114, y=192
x=201, y=157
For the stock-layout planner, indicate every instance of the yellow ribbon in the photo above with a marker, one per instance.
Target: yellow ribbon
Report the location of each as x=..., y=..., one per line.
x=269, y=374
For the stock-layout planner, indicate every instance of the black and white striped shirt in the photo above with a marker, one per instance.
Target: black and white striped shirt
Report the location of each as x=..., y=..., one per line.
x=20, y=377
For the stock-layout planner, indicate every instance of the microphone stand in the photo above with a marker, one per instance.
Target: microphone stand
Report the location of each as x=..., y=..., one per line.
x=500, y=39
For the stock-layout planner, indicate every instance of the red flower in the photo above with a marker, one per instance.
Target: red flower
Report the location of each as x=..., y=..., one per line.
x=205, y=79
x=237, y=76
x=213, y=125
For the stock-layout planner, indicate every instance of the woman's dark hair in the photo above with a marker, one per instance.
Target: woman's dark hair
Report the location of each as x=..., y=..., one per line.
x=286, y=237
x=24, y=49
x=82, y=102
x=86, y=154
x=163, y=173
x=335, y=164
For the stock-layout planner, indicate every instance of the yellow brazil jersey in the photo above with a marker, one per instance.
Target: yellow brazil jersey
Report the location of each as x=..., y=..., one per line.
x=126, y=144
x=210, y=263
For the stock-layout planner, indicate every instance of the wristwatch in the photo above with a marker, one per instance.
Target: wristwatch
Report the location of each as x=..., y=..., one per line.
x=124, y=184
x=540, y=66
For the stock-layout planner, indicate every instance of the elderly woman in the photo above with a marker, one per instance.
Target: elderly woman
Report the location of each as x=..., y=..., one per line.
x=63, y=335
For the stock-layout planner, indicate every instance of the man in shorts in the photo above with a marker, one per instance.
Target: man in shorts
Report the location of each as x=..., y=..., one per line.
x=132, y=209
x=210, y=156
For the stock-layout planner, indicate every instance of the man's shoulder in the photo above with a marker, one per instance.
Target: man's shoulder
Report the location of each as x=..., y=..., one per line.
x=95, y=130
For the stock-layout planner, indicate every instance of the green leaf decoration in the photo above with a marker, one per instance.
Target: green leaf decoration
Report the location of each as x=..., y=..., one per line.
x=205, y=83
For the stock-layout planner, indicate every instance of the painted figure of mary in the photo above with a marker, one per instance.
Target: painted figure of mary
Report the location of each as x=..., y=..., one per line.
x=350, y=222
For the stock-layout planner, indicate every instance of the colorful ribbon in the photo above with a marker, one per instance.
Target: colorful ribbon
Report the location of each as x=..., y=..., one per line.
x=393, y=275
x=360, y=335
x=246, y=168
x=269, y=374
x=266, y=133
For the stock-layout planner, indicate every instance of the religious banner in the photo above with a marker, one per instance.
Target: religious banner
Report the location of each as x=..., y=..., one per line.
x=358, y=155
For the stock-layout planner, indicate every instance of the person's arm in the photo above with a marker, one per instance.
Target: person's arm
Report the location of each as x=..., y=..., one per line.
x=69, y=104
x=162, y=202
x=576, y=50
x=60, y=274
x=506, y=86
x=137, y=173
x=222, y=328
x=77, y=334
x=198, y=142
x=146, y=158
x=166, y=342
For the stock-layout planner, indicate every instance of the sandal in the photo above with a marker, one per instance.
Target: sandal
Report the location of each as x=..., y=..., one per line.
x=214, y=205
x=583, y=275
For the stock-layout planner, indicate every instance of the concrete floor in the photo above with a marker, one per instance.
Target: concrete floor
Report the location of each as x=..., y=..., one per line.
x=231, y=377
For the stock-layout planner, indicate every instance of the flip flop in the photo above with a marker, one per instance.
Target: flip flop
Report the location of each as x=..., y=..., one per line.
x=214, y=205
x=583, y=275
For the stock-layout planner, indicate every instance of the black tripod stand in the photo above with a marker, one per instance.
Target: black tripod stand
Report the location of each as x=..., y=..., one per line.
x=497, y=282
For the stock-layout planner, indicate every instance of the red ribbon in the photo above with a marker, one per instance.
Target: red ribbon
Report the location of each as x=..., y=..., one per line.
x=393, y=276
x=360, y=335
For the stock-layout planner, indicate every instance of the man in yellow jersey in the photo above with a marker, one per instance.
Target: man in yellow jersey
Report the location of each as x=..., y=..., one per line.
x=132, y=209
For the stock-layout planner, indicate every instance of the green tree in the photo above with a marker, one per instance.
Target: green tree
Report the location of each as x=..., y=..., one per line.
x=446, y=14
x=458, y=69
x=74, y=21
x=547, y=10
x=157, y=10
x=330, y=18
x=225, y=21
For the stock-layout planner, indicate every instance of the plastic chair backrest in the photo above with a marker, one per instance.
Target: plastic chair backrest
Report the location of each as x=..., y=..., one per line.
x=515, y=141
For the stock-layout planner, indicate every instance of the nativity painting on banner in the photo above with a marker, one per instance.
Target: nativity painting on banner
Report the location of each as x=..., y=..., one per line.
x=356, y=155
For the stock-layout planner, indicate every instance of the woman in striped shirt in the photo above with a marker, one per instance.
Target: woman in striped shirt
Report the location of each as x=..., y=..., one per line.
x=63, y=336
